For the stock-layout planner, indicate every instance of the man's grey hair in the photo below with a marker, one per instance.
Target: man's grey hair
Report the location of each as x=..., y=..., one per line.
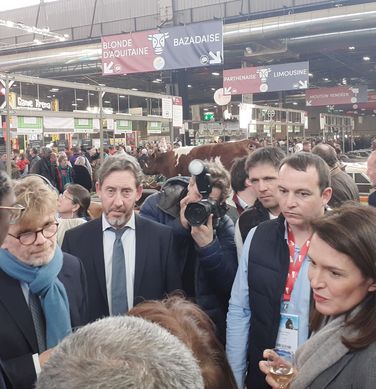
x=119, y=163
x=121, y=352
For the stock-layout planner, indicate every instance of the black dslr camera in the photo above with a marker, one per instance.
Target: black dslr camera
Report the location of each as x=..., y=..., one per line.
x=198, y=213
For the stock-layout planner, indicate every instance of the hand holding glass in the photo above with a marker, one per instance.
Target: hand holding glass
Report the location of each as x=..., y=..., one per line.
x=281, y=364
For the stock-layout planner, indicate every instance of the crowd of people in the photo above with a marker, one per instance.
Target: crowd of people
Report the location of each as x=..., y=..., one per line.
x=196, y=288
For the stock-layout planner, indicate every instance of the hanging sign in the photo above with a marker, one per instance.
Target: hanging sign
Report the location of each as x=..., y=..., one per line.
x=192, y=45
x=271, y=78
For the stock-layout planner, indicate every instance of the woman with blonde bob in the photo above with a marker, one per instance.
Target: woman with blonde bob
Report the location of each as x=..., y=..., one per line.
x=341, y=353
x=194, y=328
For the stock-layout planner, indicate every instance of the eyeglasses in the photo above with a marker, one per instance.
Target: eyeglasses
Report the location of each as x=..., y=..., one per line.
x=29, y=238
x=15, y=212
x=64, y=196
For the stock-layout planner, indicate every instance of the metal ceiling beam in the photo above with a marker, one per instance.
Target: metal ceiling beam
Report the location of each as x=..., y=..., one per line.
x=77, y=85
x=341, y=19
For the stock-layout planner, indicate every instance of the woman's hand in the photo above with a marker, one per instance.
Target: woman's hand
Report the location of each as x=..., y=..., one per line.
x=265, y=368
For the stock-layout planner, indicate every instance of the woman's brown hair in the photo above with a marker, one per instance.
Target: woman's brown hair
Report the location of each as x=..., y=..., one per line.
x=351, y=230
x=193, y=327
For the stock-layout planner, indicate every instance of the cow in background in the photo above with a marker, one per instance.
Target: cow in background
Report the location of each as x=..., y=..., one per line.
x=175, y=162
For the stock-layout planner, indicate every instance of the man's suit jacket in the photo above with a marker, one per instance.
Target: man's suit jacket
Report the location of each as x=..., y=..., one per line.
x=156, y=265
x=18, y=340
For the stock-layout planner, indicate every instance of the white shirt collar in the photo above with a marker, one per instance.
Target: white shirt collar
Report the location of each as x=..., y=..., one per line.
x=131, y=222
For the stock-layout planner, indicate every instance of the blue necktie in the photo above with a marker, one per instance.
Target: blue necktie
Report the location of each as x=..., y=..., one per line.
x=119, y=298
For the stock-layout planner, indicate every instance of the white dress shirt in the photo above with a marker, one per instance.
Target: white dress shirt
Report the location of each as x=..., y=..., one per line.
x=128, y=240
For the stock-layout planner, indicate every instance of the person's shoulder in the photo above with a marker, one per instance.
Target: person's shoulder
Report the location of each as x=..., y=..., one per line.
x=70, y=260
x=372, y=199
x=269, y=225
x=89, y=226
x=143, y=222
x=71, y=265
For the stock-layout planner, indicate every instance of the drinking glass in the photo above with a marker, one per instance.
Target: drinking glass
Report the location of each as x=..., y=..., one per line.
x=281, y=365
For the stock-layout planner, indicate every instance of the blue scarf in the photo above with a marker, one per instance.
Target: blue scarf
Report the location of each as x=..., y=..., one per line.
x=43, y=281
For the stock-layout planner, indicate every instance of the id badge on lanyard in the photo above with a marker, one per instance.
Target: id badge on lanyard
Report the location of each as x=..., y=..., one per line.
x=288, y=331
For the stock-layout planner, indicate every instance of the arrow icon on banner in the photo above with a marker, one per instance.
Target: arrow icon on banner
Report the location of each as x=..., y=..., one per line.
x=215, y=58
x=303, y=84
x=227, y=91
x=309, y=103
x=108, y=68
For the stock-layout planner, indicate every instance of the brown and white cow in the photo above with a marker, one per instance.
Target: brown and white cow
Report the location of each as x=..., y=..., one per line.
x=175, y=162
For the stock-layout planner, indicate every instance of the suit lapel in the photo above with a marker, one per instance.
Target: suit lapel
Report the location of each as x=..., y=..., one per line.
x=97, y=254
x=13, y=299
x=326, y=378
x=140, y=257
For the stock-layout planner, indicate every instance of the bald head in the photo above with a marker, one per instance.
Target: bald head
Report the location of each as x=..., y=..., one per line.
x=327, y=153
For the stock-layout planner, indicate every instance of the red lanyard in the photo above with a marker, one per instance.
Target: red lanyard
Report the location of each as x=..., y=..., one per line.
x=294, y=266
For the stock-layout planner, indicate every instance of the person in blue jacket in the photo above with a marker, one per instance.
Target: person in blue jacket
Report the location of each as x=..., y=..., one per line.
x=206, y=248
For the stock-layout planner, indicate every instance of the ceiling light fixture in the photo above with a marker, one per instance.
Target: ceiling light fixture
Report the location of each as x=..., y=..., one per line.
x=215, y=73
x=366, y=58
x=351, y=48
x=34, y=30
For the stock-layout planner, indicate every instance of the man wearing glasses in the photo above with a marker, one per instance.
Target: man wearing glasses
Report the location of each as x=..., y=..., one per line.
x=42, y=290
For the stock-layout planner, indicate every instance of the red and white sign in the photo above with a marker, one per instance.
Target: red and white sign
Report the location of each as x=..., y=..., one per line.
x=191, y=45
x=336, y=96
x=177, y=111
x=287, y=76
x=128, y=53
x=240, y=81
x=371, y=105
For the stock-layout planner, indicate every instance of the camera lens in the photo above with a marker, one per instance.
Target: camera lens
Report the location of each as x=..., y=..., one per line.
x=197, y=213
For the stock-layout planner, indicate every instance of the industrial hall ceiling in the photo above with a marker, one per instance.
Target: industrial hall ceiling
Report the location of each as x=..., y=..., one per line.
x=338, y=38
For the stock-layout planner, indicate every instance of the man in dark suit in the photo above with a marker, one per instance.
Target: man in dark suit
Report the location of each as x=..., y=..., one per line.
x=42, y=290
x=127, y=258
x=8, y=213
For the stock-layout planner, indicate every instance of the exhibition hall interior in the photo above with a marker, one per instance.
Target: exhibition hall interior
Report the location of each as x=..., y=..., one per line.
x=310, y=64
x=187, y=194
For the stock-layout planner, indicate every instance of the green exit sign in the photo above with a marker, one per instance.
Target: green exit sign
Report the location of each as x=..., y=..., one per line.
x=208, y=116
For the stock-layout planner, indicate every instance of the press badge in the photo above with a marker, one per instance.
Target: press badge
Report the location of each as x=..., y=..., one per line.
x=288, y=331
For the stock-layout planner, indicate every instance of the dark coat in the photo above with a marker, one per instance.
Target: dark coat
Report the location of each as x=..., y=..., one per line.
x=343, y=187
x=208, y=272
x=18, y=341
x=355, y=370
x=44, y=168
x=82, y=176
x=267, y=272
x=156, y=271
x=252, y=217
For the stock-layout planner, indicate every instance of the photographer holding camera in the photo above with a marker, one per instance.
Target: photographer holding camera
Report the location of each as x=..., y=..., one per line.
x=195, y=209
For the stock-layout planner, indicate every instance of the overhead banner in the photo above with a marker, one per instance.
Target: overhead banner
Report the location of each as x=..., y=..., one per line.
x=337, y=95
x=272, y=78
x=154, y=127
x=123, y=126
x=85, y=126
x=27, y=125
x=370, y=105
x=192, y=45
x=58, y=122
